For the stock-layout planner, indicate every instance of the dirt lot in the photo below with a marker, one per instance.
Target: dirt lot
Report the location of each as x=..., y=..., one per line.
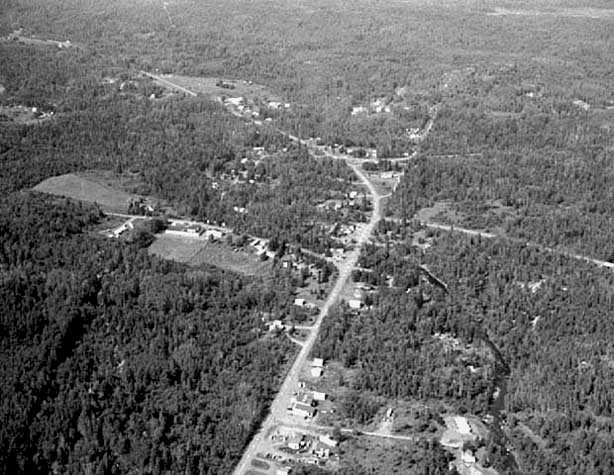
x=195, y=251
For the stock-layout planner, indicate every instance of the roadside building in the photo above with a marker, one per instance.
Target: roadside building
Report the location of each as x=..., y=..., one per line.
x=328, y=440
x=303, y=410
x=316, y=372
x=319, y=396
x=305, y=398
x=296, y=441
x=317, y=363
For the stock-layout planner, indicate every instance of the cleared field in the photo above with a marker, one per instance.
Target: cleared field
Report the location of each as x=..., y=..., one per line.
x=195, y=251
x=83, y=189
x=207, y=86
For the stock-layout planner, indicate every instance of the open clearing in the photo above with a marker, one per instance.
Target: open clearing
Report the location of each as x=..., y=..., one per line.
x=207, y=86
x=195, y=251
x=80, y=188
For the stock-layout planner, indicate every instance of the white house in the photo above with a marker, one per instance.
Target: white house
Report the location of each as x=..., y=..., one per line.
x=317, y=363
x=462, y=425
x=303, y=410
x=316, y=372
x=235, y=101
x=355, y=304
x=319, y=396
x=299, y=302
x=328, y=440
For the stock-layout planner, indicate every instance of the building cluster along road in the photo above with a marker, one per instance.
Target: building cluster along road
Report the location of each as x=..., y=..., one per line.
x=281, y=420
x=279, y=417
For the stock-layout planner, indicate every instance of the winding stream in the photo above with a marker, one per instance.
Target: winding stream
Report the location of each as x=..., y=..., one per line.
x=497, y=398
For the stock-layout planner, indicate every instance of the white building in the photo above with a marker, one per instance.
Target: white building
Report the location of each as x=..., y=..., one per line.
x=328, y=440
x=355, y=304
x=319, y=396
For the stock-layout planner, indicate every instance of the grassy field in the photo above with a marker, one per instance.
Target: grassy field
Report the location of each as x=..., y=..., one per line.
x=207, y=86
x=195, y=251
x=84, y=189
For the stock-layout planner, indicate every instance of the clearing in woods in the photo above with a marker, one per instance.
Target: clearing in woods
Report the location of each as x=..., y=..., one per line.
x=81, y=188
x=210, y=87
x=194, y=251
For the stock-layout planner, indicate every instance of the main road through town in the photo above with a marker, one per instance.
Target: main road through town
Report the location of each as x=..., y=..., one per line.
x=278, y=413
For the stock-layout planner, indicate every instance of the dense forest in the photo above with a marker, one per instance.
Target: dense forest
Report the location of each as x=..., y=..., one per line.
x=114, y=361
x=536, y=169
x=547, y=314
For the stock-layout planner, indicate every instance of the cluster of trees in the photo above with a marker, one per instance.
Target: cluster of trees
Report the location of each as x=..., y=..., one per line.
x=114, y=361
x=540, y=178
x=548, y=316
x=393, y=348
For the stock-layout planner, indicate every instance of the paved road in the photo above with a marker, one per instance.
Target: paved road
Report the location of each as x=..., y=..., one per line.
x=278, y=412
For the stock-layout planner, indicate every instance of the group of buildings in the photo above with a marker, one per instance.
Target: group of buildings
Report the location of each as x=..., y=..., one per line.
x=194, y=230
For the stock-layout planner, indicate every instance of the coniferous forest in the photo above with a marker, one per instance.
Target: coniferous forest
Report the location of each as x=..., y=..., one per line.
x=115, y=361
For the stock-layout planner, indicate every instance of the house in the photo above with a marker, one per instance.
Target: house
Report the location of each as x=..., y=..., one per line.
x=317, y=363
x=239, y=209
x=319, y=396
x=303, y=410
x=323, y=453
x=316, y=372
x=305, y=398
x=355, y=304
x=276, y=325
x=467, y=457
x=296, y=441
x=283, y=471
x=462, y=425
x=328, y=440
x=299, y=302
x=274, y=105
x=235, y=101
x=213, y=234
